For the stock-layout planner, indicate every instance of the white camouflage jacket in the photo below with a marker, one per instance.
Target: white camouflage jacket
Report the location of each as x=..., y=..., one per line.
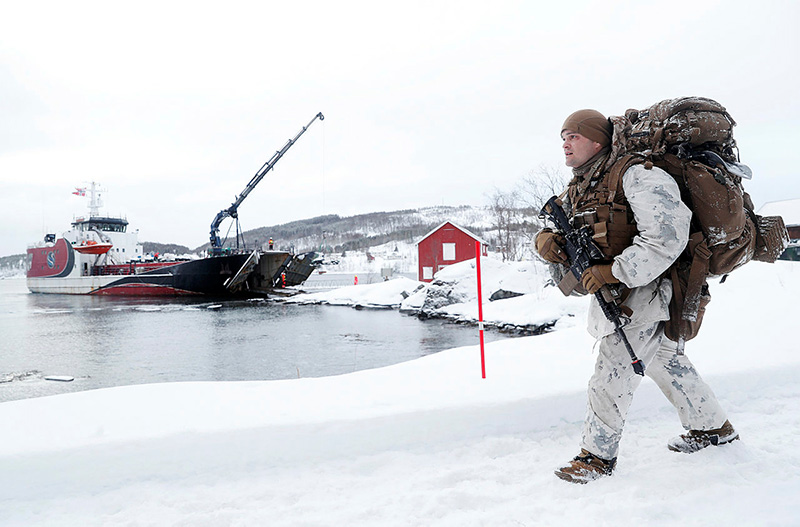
x=662, y=220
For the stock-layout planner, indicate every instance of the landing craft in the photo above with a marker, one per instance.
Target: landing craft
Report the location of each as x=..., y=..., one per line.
x=98, y=256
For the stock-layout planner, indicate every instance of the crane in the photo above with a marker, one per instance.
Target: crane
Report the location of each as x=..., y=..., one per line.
x=232, y=211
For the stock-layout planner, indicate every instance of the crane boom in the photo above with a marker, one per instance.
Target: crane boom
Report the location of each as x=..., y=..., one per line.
x=232, y=211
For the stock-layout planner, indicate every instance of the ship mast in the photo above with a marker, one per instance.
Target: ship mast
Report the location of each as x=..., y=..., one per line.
x=95, y=199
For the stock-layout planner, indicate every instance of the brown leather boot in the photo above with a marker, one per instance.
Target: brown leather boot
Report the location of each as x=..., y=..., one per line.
x=696, y=440
x=585, y=468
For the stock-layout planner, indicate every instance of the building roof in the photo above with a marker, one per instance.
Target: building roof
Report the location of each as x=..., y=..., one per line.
x=459, y=227
x=789, y=209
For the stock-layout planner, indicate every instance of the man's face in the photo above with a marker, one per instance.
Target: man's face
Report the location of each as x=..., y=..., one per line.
x=578, y=149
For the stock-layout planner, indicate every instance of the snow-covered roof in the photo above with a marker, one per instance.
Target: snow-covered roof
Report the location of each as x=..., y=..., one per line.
x=459, y=227
x=789, y=209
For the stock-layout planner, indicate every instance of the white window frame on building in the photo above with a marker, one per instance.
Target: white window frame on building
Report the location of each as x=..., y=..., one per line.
x=448, y=252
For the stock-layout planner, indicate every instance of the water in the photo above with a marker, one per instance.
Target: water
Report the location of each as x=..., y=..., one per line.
x=106, y=341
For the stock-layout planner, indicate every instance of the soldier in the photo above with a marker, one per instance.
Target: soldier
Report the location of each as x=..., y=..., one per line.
x=642, y=226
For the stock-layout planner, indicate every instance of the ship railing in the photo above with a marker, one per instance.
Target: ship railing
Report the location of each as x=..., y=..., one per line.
x=129, y=268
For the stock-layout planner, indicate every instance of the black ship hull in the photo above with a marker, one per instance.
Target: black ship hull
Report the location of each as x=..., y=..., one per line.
x=229, y=275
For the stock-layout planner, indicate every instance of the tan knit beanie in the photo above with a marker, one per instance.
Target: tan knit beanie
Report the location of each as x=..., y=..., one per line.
x=590, y=124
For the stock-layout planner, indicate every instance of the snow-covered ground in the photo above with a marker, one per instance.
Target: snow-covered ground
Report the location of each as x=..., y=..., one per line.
x=400, y=257
x=457, y=285
x=427, y=442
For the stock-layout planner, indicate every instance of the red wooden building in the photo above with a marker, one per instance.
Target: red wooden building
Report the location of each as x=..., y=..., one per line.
x=445, y=245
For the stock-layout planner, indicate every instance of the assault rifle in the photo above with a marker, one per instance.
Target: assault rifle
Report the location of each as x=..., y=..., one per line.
x=583, y=253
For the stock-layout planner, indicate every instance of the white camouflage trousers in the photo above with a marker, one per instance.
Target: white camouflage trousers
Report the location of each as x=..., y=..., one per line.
x=612, y=386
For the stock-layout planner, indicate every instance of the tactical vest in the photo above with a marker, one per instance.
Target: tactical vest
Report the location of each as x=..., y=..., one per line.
x=601, y=204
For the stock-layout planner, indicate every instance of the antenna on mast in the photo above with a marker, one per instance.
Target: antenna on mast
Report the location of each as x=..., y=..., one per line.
x=95, y=199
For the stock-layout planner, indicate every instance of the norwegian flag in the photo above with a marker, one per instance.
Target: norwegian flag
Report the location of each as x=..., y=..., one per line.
x=79, y=191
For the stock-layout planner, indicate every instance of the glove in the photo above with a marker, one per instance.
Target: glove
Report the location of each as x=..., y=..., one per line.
x=549, y=245
x=597, y=276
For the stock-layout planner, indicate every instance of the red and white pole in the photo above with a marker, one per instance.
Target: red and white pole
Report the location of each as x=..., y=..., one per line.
x=480, y=306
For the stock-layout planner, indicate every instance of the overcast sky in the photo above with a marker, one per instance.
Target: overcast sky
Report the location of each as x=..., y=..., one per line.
x=174, y=106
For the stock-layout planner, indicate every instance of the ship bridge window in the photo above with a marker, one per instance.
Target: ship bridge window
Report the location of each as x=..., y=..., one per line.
x=99, y=225
x=112, y=227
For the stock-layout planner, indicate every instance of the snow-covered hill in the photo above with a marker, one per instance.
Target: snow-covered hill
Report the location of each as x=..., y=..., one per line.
x=335, y=234
x=15, y=265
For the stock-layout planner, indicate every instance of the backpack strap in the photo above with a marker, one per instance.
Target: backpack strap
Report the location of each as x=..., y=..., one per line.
x=687, y=291
x=617, y=170
x=698, y=271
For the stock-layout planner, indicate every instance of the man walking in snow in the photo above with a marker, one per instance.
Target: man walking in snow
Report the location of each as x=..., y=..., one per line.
x=642, y=226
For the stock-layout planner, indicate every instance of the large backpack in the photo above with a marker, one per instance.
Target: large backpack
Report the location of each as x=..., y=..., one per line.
x=691, y=138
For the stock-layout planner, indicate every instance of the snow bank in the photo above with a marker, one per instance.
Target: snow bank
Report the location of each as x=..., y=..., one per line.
x=427, y=442
x=389, y=293
x=454, y=295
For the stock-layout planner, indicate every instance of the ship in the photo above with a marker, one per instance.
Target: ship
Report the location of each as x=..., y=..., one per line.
x=98, y=255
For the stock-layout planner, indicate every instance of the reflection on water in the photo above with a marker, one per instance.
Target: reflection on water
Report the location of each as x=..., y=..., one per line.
x=108, y=341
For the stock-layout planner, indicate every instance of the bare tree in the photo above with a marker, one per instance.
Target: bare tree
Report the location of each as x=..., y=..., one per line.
x=540, y=185
x=534, y=190
x=506, y=217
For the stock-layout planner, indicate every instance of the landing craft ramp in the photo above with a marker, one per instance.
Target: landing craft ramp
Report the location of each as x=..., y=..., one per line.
x=266, y=272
